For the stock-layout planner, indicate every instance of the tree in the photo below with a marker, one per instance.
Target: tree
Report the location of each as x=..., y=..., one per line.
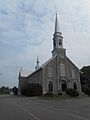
x=15, y=90
x=85, y=77
x=4, y=90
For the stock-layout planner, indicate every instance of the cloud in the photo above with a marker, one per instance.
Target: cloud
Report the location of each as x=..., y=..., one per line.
x=26, y=31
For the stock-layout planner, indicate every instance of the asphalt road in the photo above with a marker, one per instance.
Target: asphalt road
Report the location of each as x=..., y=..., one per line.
x=32, y=108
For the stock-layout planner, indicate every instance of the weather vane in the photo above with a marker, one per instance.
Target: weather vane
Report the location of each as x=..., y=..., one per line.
x=56, y=12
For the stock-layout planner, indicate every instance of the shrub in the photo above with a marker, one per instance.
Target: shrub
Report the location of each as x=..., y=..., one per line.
x=15, y=90
x=32, y=90
x=60, y=93
x=24, y=91
x=48, y=94
x=72, y=92
x=87, y=91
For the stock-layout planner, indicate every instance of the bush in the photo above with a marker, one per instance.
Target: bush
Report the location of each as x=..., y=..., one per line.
x=60, y=93
x=24, y=91
x=72, y=92
x=32, y=90
x=15, y=90
x=83, y=88
x=87, y=91
x=48, y=94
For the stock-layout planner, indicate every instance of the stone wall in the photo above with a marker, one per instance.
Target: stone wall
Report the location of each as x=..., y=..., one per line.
x=36, y=77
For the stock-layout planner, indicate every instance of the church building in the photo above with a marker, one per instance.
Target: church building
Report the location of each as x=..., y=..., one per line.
x=56, y=74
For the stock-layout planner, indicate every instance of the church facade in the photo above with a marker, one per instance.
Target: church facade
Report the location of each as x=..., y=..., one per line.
x=58, y=73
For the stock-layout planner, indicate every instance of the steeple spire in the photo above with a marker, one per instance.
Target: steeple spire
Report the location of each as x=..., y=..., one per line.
x=37, y=64
x=20, y=73
x=57, y=37
x=57, y=28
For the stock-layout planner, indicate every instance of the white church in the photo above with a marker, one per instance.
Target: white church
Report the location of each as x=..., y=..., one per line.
x=56, y=74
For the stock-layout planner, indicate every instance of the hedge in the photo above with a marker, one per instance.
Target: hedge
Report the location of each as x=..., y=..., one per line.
x=32, y=90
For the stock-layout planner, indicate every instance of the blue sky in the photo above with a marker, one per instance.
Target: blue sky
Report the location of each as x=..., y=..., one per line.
x=26, y=31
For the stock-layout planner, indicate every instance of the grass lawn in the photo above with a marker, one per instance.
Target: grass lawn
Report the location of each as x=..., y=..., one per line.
x=63, y=97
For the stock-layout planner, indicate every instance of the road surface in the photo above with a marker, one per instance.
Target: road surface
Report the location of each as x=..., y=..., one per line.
x=33, y=108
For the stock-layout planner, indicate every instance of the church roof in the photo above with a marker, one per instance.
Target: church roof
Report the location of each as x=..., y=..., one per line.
x=42, y=66
x=72, y=63
x=25, y=73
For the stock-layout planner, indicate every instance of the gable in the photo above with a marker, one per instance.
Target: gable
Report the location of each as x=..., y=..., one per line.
x=68, y=60
x=48, y=62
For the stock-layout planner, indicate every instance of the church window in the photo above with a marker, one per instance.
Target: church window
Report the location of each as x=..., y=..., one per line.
x=54, y=44
x=50, y=86
x=64, y=85
x=73, y=74
x=62, y=69
x=49, y=71
x=60, y=43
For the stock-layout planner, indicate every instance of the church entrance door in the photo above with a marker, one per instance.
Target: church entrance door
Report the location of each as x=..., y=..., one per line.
x=50, y=86
x=75, y=86
x=64, y=85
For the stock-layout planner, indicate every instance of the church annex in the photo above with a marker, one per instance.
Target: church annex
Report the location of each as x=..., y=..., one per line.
x=58, y=73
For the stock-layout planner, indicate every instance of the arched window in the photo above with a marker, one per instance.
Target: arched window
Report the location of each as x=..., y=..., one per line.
x=74, y=86
x=50, y=86
x=60, y=43
x=54, y=44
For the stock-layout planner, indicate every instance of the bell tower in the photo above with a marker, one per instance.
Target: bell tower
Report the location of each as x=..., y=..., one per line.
x=57, y=38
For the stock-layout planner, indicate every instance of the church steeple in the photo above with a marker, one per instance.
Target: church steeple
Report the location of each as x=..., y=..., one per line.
x=57, y=28
x=20, y=73
x=37, y=64
x=57, y=37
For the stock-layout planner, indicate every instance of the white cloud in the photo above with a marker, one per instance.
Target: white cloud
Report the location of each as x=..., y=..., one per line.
x=26, y=31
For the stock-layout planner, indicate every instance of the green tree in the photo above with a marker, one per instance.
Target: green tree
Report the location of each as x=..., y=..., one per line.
x=4, y=90
x=15, y=90
x=85, y=77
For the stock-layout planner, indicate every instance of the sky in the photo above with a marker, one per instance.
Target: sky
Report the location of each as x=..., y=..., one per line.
x=26, y=31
